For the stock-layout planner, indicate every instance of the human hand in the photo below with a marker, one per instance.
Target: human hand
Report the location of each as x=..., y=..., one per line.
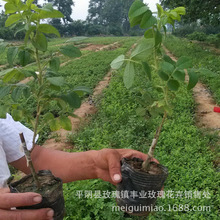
x=107, y=163
x=9, y=200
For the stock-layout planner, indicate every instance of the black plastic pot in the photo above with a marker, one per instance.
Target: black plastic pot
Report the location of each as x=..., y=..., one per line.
x=136, y=184
x=51, y=191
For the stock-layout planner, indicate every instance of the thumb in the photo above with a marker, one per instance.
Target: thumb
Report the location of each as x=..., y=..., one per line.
x=114, y=166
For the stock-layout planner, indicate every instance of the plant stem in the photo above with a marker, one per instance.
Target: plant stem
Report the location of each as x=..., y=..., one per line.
x=29, y=161
x=155, y=52
x=146, y=163
x=36, y=125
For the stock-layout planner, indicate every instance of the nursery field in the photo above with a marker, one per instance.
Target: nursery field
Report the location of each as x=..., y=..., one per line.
x=192, y=188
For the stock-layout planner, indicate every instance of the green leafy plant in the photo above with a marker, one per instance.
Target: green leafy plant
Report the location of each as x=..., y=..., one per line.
x=46, y=86
x=171, y=73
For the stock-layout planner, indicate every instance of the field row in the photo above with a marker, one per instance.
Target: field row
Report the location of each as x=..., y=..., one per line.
x=201, y=59
x=182, y=148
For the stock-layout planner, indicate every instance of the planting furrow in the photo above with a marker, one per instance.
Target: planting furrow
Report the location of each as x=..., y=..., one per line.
x=86, y=109
x=205, y=115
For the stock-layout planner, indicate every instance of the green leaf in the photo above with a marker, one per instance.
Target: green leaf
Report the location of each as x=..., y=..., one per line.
x=4, y=72
x=17, y=114
x=65, y=123
x=4, y=91
x=40, y=42
x=169, y=60
x=72, y=99
x=4, y=109
x=149, y=33
x=158, y=38
x=81, y=90
x=54, y=124
x=167, y=67
x=165, y=30
x=147, y=69
x=16, y=93
x=135, y=21
x=28, y=33
x=179, y=75
x=12, y=19
x=50, y=14
x=184, y=63
x=26, y=92
x=70, y=51
x=134, y=7
x=118, y=62
x=160, y=10
x=55, y=64
x=173, y=85
x=11, y=54
x=193, y=79
x=10, y=8
x=147, y=21
x=48, y=117
x=163, y=75
x=139, y=11
x=207, y=73
x=141, y=112
x=143, y=50
x=13, y=74
x=174, y=15
x=57, y=81
x=180, y=10
x=2, y=47
x=61, y=104
x=129, y=75
x=48, y=29
x=29, y=2
x=29, y=73
x=24, y=57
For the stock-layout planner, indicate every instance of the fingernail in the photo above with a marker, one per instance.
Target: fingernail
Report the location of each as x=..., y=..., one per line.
x=50, y=213
x=117, y=177
x=37, y=199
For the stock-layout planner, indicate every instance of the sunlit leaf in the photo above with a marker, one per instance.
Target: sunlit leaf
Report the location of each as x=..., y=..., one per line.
x=129, y=75
x=65, y=123
x=118, y=62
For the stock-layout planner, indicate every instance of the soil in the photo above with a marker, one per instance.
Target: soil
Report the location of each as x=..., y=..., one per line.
x=137, y=165
x=51, y=191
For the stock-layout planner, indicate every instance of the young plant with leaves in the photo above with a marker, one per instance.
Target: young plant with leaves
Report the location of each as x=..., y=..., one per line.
x=46, y=86
x=171, y=73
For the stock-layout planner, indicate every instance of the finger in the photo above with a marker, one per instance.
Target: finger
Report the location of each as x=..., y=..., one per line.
x=155, y=160
x=8, y=200
x=40, y=214
x=128, y=153
x=114, y=166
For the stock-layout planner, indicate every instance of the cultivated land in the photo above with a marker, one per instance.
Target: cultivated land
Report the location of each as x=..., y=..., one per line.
x=183, y=147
